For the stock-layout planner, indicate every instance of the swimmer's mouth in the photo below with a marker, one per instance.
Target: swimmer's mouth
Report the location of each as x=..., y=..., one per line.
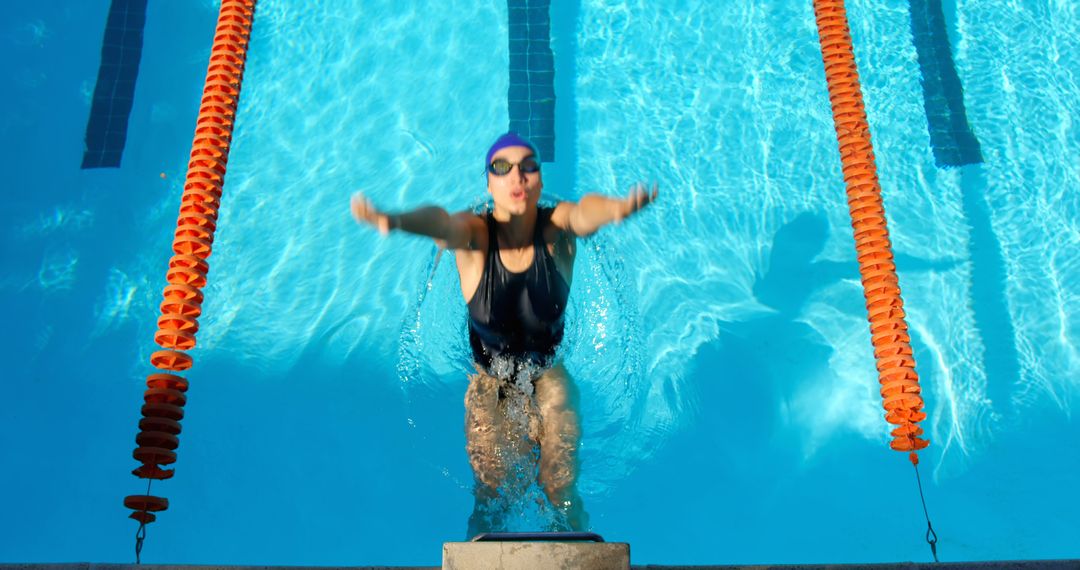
x=518, y=194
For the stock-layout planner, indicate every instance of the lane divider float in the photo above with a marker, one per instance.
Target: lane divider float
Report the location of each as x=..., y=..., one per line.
x=165, y=395
x=900, y=390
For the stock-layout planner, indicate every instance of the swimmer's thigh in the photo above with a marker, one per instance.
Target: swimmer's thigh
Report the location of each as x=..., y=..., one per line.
x=482, y=430
x=560, y=432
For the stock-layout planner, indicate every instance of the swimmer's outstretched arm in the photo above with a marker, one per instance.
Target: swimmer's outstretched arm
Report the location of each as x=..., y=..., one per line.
x=452, y=231
x=594, y=211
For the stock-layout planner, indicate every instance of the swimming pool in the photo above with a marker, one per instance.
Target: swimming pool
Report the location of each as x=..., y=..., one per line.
x=730, y=406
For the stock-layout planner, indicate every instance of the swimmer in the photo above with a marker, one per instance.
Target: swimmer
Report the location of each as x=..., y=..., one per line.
x=516, y=264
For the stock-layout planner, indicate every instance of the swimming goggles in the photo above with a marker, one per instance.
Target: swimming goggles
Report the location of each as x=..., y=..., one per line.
x=502, y=167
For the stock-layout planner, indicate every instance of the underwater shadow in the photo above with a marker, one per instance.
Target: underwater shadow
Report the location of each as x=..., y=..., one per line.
x=763, y=363
x=990, y=305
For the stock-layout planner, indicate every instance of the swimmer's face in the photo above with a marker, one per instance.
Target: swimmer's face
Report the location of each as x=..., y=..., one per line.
x=517, y=190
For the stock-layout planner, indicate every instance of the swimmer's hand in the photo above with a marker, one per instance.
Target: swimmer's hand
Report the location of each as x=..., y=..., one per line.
x=365, y=212
x=595, y=211
x=638, y=198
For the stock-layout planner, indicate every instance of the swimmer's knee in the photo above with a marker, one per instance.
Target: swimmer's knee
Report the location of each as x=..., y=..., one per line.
x=558, y=469
x=486, y=465
x=559, y=488
x=487, y=485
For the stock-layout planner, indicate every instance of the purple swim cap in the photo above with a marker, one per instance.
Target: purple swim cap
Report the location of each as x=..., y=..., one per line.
x=509, y=139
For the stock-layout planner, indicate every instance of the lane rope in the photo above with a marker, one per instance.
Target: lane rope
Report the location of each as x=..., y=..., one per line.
x=900, y=390
x=165, y=397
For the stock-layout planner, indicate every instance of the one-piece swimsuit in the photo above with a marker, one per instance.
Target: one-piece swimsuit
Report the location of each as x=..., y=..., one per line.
x=518, y=315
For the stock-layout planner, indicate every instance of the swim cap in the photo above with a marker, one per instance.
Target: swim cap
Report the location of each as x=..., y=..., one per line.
x=509, y=139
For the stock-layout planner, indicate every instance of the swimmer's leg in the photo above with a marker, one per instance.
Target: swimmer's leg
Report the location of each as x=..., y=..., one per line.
x=499, y=448
x=483, y=429
x=560, y=433
x=489, y=511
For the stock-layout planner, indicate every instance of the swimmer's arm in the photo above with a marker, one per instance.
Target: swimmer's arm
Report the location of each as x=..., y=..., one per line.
x=457, y=231
x=594, y=211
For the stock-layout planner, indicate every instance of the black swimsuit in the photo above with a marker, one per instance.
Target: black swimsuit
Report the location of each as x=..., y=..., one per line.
x=518, y=315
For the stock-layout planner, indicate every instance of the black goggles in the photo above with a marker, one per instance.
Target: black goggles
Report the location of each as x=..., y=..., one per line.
x=502, y=167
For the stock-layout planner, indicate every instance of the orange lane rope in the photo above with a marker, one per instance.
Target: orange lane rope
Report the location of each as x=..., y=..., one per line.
x=900, y=388
x=165, y=394
x=892, y=344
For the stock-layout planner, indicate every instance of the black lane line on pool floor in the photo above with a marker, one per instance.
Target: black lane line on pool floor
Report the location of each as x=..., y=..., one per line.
x=531, y=95
x=951, y=138
x=121, y=50
x=954, y=144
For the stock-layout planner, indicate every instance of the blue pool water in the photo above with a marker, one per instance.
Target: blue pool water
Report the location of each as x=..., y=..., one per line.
x=719, y=340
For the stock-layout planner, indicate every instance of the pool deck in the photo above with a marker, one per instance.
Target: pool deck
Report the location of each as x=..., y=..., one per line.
x=996, y=565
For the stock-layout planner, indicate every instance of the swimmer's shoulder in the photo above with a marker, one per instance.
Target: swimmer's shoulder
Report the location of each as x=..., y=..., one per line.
x=468, y=231
x=558, y=224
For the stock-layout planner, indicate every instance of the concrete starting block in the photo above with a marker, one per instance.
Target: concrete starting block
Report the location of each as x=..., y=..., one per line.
x=533, y=551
